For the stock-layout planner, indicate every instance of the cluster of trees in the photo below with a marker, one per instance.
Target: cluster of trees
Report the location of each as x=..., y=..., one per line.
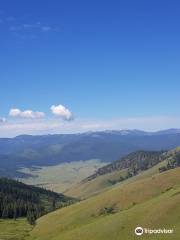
x=15, y=208
x=130, y=173
x=108, y=210
x=135, y=162
x=20, y=200
x=173, y=162
x=114, y=181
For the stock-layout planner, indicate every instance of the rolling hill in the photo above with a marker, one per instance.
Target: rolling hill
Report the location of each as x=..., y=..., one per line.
x=116, y=201
x=151, y=202
x=138, y=164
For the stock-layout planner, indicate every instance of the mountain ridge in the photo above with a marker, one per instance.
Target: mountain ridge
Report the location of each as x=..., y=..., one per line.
x=107, y=146
x=122, y=131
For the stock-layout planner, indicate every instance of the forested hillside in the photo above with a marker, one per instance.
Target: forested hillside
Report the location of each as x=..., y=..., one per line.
x=139, y=161
x=20, y=200
x=172, y=158
x=134, y=162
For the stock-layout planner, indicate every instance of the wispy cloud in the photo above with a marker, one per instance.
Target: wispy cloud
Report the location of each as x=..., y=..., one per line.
x=6, y=18
x=35, y=27
x=46, y=28
x=26, y=26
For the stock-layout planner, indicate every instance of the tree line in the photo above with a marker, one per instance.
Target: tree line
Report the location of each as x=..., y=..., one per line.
x=20, y=200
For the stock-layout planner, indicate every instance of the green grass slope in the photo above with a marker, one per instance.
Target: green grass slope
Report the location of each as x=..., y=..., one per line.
x=86, y=189
x=101, y=183
x=152, y=202
x=14, y=230
x=144, y=163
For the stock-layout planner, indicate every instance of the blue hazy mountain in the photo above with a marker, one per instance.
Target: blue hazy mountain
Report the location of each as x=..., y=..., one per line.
x=107, y=146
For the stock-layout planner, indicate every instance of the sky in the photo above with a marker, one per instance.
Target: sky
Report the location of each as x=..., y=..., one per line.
x=75, y=66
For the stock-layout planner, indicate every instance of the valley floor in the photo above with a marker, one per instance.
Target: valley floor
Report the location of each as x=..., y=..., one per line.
x=61, y=177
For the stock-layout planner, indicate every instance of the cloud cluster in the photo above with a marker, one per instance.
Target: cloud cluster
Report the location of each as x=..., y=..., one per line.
x=57, y=110
x=15, y=112
x=62, y=112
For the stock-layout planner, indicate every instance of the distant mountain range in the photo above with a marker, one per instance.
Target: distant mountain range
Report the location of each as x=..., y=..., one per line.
x=107, y=146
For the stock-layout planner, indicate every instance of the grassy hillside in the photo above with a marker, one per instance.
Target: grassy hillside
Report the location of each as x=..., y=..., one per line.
x=85, y=189
x=102, y=183
x=138, y=164
x=144, y=162
x=14, y=230
x=151, y=202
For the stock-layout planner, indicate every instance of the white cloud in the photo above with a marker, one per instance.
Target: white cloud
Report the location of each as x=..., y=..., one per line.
x=15, y=112
x=62, y=112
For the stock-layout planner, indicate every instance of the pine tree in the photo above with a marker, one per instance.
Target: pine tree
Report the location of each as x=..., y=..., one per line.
x=54, y=204
x=15, y=212
x=5, y=212
x=31, y=217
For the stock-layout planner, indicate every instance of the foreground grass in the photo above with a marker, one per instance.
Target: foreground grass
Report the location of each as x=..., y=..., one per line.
x=14, y=230
x=151, y=202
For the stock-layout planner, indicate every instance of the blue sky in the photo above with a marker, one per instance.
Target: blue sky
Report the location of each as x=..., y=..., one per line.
x=105, y=61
